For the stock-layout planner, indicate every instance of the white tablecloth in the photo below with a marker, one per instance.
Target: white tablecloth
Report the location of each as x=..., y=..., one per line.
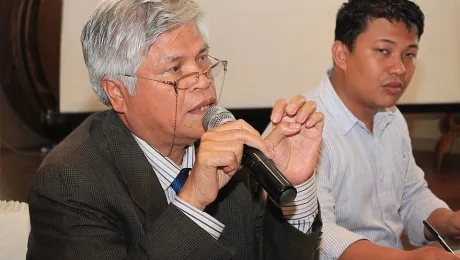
x=14, y=230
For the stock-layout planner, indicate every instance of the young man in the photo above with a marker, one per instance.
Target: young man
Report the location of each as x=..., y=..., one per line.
x=369, y=187
x=112, y=189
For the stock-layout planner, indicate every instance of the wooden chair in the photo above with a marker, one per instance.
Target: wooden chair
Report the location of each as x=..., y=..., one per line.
x=449, y=132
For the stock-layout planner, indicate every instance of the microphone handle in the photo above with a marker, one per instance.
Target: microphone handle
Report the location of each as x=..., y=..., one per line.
x=268, y=176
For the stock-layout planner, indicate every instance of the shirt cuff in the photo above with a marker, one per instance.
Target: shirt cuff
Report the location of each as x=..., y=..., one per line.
x=415, y=229
x=201, y=218
x=303, y=210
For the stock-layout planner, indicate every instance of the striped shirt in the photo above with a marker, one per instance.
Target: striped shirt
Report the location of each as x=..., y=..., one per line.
x=300, y=213
x=166, y=171
x=303, y=210
x=369, y=186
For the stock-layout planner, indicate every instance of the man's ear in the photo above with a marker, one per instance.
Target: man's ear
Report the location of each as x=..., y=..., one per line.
x=117, y=94
x=340, y=54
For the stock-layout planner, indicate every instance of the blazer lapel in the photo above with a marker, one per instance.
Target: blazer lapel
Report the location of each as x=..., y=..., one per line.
x=136, y=172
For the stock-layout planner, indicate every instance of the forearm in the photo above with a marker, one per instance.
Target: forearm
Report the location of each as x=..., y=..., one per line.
x=439, y=219
x=418, y=203
x=364, y=249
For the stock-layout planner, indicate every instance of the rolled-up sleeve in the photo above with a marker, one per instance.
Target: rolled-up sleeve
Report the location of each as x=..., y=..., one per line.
x=418, y=203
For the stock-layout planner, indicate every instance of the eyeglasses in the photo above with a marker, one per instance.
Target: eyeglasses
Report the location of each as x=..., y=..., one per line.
x=213, y=67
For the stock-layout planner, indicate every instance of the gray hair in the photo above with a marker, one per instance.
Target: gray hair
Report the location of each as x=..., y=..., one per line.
x=118, y=35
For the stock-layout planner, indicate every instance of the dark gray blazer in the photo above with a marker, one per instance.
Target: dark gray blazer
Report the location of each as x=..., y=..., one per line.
x=96, y=196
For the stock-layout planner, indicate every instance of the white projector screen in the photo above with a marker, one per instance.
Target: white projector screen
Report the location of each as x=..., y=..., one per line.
x=276, y=49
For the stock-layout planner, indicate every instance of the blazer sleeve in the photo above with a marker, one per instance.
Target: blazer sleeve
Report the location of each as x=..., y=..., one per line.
x=69, y=220
x=283, y=241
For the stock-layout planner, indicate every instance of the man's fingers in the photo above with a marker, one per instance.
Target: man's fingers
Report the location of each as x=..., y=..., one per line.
x=237, y=124
x=315, y=119
x=282, y=130
x=296, y=104
x=305, y=112
x=228, y=161
x=209, y=150
x=298, y=110
x=278, y=111
x=241, y=135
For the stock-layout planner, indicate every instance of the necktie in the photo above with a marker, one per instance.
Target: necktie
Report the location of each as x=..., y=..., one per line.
x=180, y=180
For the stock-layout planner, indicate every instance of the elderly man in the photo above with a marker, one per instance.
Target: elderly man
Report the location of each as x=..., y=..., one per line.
x=114, y=188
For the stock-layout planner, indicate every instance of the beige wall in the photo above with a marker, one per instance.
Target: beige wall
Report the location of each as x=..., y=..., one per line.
x=278, y=50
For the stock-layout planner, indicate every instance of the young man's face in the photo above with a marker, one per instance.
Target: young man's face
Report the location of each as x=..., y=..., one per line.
x=381, y=65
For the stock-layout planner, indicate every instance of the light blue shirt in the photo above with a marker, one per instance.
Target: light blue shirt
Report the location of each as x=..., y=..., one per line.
x=369, y=186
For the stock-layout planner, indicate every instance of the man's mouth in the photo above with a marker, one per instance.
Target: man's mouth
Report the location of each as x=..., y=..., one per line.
x=394, y=84
x=394, y=87
x=200, y=109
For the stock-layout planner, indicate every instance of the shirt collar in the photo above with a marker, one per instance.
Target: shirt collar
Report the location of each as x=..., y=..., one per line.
x=341, y=115
x=165, y=169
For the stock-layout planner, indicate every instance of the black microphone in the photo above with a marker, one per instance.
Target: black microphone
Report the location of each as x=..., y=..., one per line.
x=260, y=167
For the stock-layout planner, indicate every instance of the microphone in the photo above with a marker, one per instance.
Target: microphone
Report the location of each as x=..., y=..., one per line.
x=259, y=166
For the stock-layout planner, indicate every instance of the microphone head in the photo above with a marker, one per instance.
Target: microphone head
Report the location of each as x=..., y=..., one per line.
x=216, y=116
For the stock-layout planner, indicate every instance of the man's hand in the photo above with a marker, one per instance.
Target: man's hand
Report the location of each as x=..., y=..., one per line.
x=430, y=253
x=218, y=158
x=453, y=225
x=296, y=138
x=447, y=223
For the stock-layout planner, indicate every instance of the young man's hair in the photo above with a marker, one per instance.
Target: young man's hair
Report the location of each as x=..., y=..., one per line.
x=353, y=17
